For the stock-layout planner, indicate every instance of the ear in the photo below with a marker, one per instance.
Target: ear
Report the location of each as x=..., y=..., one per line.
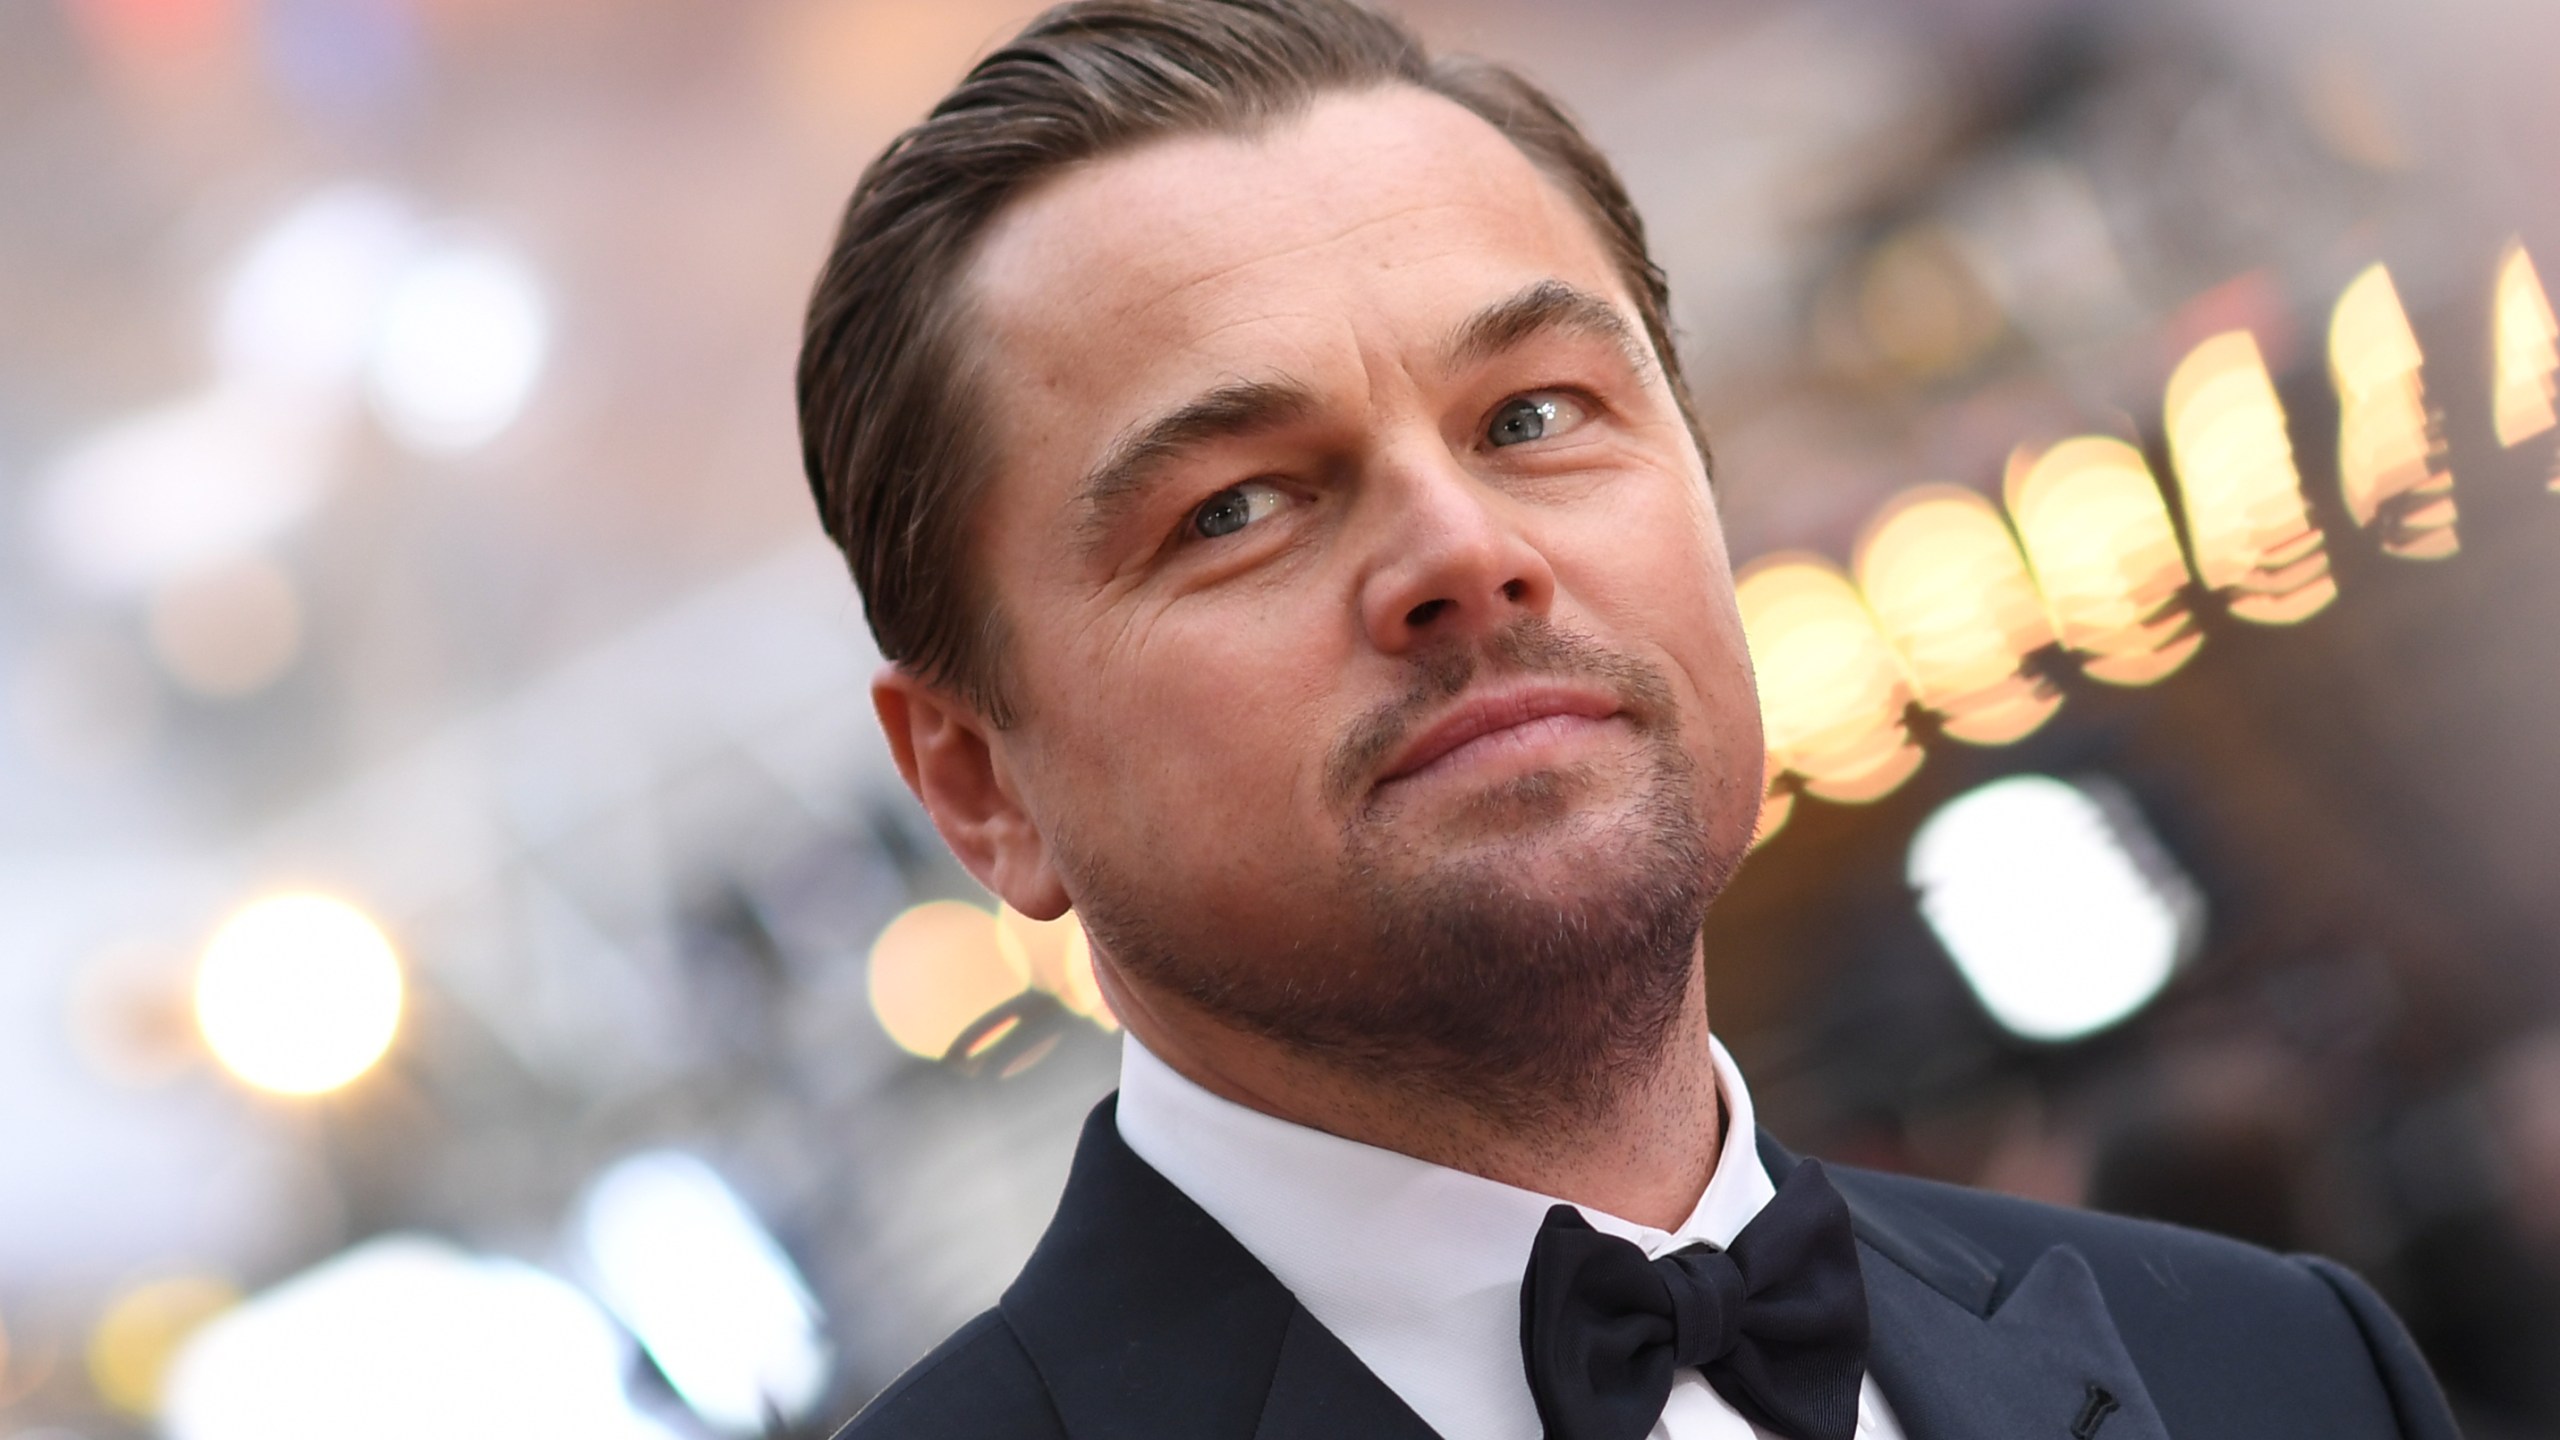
x=950, y=757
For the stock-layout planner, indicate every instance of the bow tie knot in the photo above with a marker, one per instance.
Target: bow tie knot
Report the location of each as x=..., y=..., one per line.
x=1777, y=1322
x=1706, y=1311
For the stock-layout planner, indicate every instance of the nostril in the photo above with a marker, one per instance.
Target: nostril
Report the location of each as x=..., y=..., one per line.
x=1515, y=591
x=1424, y=613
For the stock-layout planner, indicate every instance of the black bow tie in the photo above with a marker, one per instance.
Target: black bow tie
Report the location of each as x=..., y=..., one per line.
x=1777, y=1323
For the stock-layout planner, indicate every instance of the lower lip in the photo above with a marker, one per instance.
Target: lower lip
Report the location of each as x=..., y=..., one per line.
x=1521, y=747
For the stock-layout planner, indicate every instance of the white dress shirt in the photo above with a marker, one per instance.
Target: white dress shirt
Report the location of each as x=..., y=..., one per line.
x=1416, y=1267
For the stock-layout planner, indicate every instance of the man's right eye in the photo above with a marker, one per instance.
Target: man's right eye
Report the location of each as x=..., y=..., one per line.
x=1235, y=507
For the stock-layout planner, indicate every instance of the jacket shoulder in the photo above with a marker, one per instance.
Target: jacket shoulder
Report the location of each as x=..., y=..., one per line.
x=978, y=1385
x=2219, y=1328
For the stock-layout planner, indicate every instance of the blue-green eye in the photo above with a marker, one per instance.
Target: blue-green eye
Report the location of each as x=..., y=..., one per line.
x=1235, y=507
x=1532, y=417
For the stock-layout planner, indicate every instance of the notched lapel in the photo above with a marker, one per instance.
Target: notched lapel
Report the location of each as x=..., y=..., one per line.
x=1321, y=1391
x=2046, y=1365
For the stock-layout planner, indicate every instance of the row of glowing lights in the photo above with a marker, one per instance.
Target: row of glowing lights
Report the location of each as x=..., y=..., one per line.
x=1943, y=603
x=300, y=994
x=1946, y=597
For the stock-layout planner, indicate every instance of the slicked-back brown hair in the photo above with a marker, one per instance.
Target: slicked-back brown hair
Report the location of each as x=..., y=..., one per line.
x=892, y=424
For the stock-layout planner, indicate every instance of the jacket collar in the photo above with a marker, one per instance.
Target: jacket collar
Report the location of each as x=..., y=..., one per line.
x=1145, y=1318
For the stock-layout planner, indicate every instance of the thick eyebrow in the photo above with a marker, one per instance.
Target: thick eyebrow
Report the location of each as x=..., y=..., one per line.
x=1237, y=408
x=1543, y=307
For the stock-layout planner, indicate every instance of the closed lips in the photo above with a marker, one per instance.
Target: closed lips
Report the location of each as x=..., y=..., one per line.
x=1525, y=714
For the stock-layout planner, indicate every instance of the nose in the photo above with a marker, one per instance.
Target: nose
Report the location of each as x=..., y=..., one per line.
x=1453, y=559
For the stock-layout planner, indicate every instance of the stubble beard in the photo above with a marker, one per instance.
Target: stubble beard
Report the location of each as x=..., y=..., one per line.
x=1528, y=987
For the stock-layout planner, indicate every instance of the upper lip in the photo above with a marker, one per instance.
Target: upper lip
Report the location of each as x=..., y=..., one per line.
x=1499, y=709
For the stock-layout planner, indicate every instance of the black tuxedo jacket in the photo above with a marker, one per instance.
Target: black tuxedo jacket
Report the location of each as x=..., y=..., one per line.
x=1994, y=1319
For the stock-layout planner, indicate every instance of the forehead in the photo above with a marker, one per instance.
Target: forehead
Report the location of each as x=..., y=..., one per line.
x=1374, y=218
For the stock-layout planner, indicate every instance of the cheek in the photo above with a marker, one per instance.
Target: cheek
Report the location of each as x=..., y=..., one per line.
x=1196, y=734
x=1656, y=576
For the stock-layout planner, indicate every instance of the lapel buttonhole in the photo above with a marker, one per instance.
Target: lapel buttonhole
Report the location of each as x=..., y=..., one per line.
x=2094, y=1413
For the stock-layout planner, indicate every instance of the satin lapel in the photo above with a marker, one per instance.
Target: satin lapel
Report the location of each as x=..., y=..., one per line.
x=1144, y=1317
x=1147, y=1321
x=1956, y=1359
x=1321, y=1391
x=2046, y=1365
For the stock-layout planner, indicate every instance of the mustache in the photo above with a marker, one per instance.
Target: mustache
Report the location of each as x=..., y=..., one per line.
x=1532, y=645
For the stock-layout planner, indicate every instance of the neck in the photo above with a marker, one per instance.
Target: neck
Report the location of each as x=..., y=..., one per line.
x=1645, y=1155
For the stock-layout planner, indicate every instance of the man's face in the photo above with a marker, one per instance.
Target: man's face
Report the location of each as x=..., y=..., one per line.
x=1379, y=681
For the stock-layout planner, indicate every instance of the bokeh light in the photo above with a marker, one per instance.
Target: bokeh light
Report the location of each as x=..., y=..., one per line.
x=2525, y=375
x=1922, y=305
x=300, y=308
x=682, y=1261
x=2246, y=516
x=407, y=1338
x=2060, y=911
x=133, y=1342
x=299, y=994
x=229, y=631
x=1947, y=585
x=462, y=339
x=185, y=486
x=1832, y=696
x=2099, y=542
x=2390, y=449
x=938, y=969
x=1058, y=956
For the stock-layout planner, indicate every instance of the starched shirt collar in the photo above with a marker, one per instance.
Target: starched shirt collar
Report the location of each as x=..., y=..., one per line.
x=1414, y=1266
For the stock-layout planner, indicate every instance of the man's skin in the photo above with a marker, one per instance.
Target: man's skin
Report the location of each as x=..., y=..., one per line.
x=1217, y=693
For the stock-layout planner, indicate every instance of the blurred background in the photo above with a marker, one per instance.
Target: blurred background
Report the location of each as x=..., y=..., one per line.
x=467, y=967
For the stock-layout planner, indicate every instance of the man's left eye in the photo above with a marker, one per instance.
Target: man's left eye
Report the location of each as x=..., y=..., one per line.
x=1235, y=507
x=1533, y=417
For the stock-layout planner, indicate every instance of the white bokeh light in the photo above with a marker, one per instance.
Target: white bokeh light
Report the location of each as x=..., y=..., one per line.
x=407, y=1338
x=719, y=1307
x=2057, y=906
x=462, y=339
x=185, y=486
x=298, y=994
x=302, y=305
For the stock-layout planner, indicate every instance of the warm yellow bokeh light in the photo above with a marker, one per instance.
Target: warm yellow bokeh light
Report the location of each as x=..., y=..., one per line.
x=1923, y=309
x=227, y=632
x=1058, y=957
x=2526, y=387
x=2390, y=451
x=1949, y=589
x=1833, y=695
x=938, y=969
x=298, y=994
x=130, y=1350
x=2246, y=515
x=2099, y=543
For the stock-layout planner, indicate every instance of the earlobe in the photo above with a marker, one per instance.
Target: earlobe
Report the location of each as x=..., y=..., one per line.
x=948, y=755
